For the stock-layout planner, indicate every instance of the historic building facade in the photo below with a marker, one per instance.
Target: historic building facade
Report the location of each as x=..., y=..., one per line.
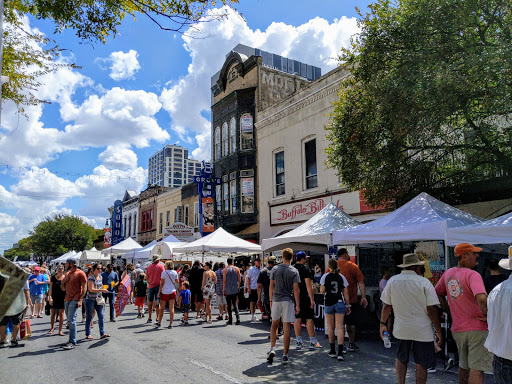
x=249, y=81
x=294, y=182
x=130, y=214
x=147, y=213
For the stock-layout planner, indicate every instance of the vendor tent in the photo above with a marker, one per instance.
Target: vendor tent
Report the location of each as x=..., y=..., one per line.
x=423, y=218
x=76, y=257
x=93, y=256
x=124, y=246
x=221, y=241
x=63, y=258
x=315, y=232
x=165, y=247
x=495, y=231
x=142, y=253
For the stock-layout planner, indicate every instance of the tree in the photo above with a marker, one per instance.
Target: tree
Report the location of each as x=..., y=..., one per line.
x=428, y=106
x=23, y=250
x=24, y=60
x=59, y=234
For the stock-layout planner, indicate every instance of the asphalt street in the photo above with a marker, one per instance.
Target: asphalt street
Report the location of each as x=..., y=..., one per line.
x=137, y=352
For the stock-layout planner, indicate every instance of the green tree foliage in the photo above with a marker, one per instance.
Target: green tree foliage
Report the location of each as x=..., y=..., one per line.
x=428, y=106
x=23, y=250
x=24, y=60
x=59, y=234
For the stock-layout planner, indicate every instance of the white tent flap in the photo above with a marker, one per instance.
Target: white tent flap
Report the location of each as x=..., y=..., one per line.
x=220, y=241
x=495, y=231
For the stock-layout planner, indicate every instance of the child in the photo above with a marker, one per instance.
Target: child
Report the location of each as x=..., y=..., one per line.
x=140, y=294
x=184, y=302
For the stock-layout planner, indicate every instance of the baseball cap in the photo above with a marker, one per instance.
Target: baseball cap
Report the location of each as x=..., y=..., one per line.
x=37, y=269
x=462, y=248
x=272, y=259
x=71, y=261
x=301, y=255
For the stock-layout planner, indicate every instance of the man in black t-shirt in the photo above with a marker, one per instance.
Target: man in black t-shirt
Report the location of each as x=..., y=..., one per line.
x=196, y=280
x=264, y=285
x=307, y=304
x=495, y=277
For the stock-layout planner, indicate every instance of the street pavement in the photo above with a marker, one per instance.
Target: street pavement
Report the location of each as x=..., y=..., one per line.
x=202, y=353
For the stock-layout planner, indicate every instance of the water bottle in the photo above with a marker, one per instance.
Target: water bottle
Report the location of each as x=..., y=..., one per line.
x=387, y=342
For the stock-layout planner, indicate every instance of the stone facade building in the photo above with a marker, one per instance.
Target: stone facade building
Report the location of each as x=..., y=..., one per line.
x=147, y=213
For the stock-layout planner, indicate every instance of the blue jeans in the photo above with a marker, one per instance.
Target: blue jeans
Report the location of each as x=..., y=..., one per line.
x=70, y=308
x=502, y=370
x=111, y=297
x=90, y=306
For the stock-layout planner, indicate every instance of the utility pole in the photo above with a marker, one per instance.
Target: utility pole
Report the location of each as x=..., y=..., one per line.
x=2, y=79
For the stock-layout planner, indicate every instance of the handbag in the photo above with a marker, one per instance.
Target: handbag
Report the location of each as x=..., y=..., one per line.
x=47, y=308
x=100, y=300
x=25, y=329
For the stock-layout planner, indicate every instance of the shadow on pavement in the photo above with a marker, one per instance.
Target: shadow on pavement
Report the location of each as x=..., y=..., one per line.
x=98, y=343
x=256, y=341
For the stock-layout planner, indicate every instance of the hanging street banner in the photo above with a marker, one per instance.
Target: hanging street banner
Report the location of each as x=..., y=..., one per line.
x=205, y=182
x=107, y=237
x=117, y=222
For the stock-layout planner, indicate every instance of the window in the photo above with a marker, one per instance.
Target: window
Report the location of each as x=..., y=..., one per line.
x=147, y=222
x=279, y=175
x=247, y=188
x=218, y=198
x=168, y=222
x=186, y=214
x=225, y=193
x=130, y=225
x=225, y=141
x=246, y=128
x=134, y=224
x=124, y=227
x=161, y=223
x=310, y=163
x=178, y=214
x=232, y=135
x=217, y=154
x=196, y=213
x=232, y=195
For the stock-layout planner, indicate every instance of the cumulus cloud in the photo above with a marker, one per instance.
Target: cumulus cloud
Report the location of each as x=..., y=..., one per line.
x=317, y=42
x=122, y=65
x=119, y=156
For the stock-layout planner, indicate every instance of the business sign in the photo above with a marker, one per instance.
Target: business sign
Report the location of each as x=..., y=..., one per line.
x=117, y=222
x=246, y=123
x=205, y=182
x=107, y=237
x=305, y=209
x=181, y=231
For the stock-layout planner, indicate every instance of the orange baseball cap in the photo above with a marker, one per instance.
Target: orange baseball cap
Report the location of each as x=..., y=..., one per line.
x=462, y=248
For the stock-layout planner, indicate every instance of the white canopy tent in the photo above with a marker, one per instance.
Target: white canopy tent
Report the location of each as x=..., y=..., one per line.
x=93, y=256
x=63, y=258
x=314, y=234
x=220, y=241
x=142, y=253
x=495, y=231
x=124, y=246
x=165, y=247
x=76, y=257
x=421, y=219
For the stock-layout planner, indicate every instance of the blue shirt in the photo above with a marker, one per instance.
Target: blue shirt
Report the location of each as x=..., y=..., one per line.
x=185, y=296
x=36, y=289
x=108, y=278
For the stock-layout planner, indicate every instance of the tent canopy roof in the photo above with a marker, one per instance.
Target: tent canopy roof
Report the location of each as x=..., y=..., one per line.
x=495, y=231
x=124, y=246
x=422, y=218
x=220, y=241
x=317, y=230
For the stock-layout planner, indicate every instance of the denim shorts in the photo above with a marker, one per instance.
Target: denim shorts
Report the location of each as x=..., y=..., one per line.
x=339, y=308
x=36, y=298
x=153, y=293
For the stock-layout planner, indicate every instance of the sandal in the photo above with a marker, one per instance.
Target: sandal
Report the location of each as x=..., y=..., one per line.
x=89, y=337
x=61, y=334
x=50, y=332
x=104, y=336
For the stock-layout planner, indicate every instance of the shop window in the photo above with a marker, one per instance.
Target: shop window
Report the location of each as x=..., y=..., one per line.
x=247, y=192
x=246, y=131
x=279, y=173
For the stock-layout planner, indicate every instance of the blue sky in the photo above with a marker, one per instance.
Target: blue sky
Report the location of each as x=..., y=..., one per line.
x=134, y=94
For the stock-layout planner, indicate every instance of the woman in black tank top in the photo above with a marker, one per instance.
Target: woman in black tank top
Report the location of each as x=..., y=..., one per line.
x=334, y=286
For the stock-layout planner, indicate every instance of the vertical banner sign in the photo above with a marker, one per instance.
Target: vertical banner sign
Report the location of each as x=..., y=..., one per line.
x=117, y=224
x=205, y=182
x=107, y=237
x=123, y=295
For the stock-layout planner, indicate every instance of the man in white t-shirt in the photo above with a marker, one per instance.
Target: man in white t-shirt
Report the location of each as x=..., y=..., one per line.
x=413, y=300
x=252, y=287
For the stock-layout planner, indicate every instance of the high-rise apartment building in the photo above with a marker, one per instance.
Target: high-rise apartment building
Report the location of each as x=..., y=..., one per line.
x=171, y=167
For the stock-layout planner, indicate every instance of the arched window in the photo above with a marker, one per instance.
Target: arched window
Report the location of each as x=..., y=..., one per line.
x=232, y=135
x=217, y=154
x=225, y=141
x=129, y=225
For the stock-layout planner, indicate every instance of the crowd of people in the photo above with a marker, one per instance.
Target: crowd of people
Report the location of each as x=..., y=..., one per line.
x=481, y=311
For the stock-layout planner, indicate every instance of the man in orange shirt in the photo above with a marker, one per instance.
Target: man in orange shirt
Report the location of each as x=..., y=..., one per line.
x=75, y=286
x=355, y=278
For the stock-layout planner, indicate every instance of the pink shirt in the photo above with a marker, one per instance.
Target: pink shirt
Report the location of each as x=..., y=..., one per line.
x=154, y=274
x=460, y=286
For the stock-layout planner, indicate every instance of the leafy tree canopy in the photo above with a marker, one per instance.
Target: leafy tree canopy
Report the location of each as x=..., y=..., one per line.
x=24, y=61
x=428, y=106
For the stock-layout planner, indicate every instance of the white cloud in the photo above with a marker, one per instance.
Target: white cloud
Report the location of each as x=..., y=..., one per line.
x=123, y=65
x=119, y=156
x=316, y=42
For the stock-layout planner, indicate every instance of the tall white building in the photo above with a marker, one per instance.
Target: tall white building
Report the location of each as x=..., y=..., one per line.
x=171, y=167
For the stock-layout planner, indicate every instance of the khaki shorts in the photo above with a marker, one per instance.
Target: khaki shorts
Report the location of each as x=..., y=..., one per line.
x=221, y=300
x=472, y=353
x=284, y=310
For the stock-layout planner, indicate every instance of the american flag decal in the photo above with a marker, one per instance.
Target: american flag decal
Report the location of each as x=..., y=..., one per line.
x=123, y=295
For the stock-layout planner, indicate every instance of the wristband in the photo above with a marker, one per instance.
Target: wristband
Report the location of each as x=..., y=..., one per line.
x=348, y=306
x=384, y=323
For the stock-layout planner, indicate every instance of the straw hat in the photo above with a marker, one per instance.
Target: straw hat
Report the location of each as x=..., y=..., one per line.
x=506, y=263
x=411, y=259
